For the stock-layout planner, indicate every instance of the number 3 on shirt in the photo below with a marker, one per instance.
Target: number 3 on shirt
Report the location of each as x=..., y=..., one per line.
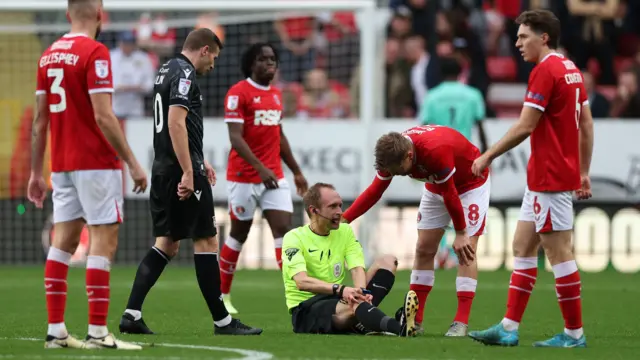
x=57, y=75
x=578, y=108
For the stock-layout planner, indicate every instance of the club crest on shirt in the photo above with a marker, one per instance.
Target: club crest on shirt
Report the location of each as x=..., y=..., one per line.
x=276, y=99
x=232, y=102
x=102, y=68
x=184, y=86
x=337, y=269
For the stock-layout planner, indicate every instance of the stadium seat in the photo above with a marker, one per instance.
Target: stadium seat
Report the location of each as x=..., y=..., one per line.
x=502, y=68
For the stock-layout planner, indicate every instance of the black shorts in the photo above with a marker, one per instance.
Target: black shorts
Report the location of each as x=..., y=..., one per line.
x=193, y=218
x=315, y=315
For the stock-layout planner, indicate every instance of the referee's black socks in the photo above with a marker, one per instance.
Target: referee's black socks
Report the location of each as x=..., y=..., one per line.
x=148, y=273
x=380, y=285
x=375, y=320
x=208, y=274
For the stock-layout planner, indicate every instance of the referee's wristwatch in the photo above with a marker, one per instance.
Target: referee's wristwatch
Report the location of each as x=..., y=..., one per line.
x=335, y=288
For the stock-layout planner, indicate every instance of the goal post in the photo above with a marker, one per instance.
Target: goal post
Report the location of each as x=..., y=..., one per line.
x=33, y=24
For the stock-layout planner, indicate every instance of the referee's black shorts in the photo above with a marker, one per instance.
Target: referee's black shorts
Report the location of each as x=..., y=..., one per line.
x=193, y=218
x=315, y=315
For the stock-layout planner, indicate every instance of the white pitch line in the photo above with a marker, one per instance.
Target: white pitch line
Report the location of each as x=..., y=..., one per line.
x=246, y=354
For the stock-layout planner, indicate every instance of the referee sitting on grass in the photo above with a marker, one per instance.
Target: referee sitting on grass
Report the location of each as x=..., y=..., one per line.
x=313, y=269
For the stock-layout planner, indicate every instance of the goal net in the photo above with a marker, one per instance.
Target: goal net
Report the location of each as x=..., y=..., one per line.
x=327, y=65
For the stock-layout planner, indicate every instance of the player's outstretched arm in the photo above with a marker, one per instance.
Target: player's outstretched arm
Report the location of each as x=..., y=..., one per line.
x=368, y=198
x=39, y=135
x=521, y=130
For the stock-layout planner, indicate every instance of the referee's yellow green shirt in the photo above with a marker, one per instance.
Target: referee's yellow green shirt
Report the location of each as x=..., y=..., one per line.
x=321, y=257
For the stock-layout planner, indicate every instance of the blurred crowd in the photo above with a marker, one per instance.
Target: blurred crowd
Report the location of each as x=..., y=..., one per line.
x=319, y=56
x=600, y=36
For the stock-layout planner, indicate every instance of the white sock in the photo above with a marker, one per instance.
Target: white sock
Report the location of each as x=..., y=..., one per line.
x=574, y=333
x=58, y=330
x=137, y=314
x=509, y=324
x=98, y=331
x=224, y=322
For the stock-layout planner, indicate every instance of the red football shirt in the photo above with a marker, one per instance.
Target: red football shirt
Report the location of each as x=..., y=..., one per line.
x=71, y=69
x=443, y=159
x=442, y=153
x=556, y=88
x=259, y=109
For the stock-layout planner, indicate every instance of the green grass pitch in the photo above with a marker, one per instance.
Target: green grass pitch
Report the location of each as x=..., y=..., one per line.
x=177, y=312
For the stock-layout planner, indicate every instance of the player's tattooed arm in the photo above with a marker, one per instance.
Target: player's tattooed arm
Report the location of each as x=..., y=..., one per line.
x=39, y=134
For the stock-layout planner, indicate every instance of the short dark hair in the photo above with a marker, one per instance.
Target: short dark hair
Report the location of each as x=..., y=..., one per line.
x=450, y=67
x=542, y=21
x=313, y=195
x=251, y=54
x=199, y=38
x=390, y=150
x=83, y=8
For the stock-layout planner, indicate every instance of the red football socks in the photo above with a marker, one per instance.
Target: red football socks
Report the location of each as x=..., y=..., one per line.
x=97, y=283
x=228, y=260
x=422, y=282
x=568, y=288
x=55, y=284
x=466, y=290
x=523, y=279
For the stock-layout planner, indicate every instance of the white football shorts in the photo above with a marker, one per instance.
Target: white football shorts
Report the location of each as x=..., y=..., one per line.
x=93, y=195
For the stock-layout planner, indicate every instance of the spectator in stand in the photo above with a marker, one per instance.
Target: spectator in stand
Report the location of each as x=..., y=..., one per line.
x=422, y=13
x=398, y=96
x=297, y=53
x=626, y=103
x=419, y=59
x=592, y=34
x=511, y=9
x=133, y=77
x=401, y=23
x=156, y=37
x=452, y=26
x=338, y=35
x=319, y=100
x=598, y=103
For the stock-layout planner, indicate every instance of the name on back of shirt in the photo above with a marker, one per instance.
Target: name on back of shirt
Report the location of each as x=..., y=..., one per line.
x=59, y=57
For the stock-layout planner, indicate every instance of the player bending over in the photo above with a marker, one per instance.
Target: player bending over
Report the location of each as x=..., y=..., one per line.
x=458, y=106
x=73, y=96
x=313, y=270
x=441, y=157
x=181, y=180
x=253, y=112
x=557, y=116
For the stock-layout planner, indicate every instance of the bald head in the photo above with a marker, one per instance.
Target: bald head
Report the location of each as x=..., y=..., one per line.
x=84, y=9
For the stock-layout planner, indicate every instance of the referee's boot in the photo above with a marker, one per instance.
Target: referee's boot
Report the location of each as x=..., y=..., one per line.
x=129, y=325
x=407, y=315
x=236, y=327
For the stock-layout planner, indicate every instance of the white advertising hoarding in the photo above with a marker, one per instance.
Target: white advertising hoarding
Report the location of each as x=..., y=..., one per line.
x=330, y=151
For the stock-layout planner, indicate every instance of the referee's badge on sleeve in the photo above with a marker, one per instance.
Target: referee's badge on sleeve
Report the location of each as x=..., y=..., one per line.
x=232, y=102
x=184, y=86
